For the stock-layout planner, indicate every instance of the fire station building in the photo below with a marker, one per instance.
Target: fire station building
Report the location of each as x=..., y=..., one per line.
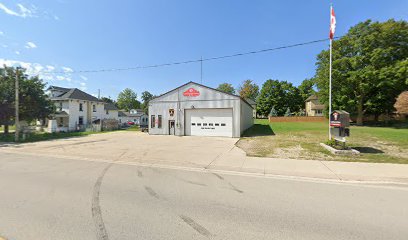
x=197, y=110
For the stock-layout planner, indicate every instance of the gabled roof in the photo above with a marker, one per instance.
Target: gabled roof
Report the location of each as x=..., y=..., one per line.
x=214, y=89
x=312, y=97
x=110, y=106
x=73, y=93
x=250, y=101
x=123, y=113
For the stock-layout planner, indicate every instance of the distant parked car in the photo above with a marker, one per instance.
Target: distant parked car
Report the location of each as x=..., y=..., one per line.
x=130, y=123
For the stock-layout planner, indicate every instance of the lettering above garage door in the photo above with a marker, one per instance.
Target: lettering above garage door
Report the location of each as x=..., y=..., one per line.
x=191, y=92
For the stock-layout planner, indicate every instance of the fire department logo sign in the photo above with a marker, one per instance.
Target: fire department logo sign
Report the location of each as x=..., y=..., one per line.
x=191, y=92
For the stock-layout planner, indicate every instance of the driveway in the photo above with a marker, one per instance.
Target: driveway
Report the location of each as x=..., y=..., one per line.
x=135, y=147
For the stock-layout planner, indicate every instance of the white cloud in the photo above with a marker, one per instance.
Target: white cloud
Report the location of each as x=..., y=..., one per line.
x=1, y=33
x=82, y=84
x=34, y=69
x=67, y=69
x=83, y=77
x=17, y=52
x=22, y=11
x=4, y=45
x=30, y=45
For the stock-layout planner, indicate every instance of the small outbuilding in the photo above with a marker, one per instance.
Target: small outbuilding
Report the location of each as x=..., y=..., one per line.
x=197, y=110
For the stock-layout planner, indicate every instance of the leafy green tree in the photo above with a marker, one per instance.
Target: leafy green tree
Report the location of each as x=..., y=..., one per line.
x=306, y=88
x=287, y=113
x=280, y=94
x=249, y=89
x=369, y=68
x=127, y=99
x=146, y=97
x=226, y=87
x=107, y=100
x=33, y=102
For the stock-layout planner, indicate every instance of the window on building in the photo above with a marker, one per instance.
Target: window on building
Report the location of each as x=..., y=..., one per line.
x=198, y=124
x=223, y=124
x=81, y=107
x=107, y=112
x=60, y=106
x=192, y=124
x=94, y=108
x=159, y=119
x=204, y=124
x=81, y=120
x=210, y=124
x=153, y=121
x=217, y=124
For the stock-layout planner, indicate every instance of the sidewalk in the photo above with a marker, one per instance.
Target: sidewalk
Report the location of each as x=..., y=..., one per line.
x=236, y=160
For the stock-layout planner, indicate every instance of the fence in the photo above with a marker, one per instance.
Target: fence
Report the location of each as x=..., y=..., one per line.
x=297, y=119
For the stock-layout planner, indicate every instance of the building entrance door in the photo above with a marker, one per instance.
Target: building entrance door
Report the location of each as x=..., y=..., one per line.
x=172, y=127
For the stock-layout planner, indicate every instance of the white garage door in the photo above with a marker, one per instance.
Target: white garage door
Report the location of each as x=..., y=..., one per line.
x=209, y=122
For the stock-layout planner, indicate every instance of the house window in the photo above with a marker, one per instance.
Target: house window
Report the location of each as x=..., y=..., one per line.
x=153, y=121
x=94, y=108
x=80, y=107
x=159, y=119
x=81, y=120
x=107, y=112
x=60, y=106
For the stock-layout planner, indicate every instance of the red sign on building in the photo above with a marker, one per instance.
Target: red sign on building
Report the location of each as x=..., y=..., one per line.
x=191, y=92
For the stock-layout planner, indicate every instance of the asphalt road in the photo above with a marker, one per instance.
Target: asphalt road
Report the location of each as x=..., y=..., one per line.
x=48, y=198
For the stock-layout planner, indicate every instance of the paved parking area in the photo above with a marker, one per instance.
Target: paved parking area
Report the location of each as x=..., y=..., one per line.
x=135, y=147
x=200, y=153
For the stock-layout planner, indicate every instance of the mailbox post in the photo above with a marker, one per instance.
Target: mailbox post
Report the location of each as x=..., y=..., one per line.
x=340, y=126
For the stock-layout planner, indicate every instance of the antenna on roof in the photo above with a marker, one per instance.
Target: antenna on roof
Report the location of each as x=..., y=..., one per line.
x=99, y=93
x=201, y=61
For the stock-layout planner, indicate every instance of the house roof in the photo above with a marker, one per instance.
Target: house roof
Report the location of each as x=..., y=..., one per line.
x=312, y=97
x=73, y=93
x=214, y=89
x=250, y=101
x=110, y=106
x=122, y=113
x=317, y=107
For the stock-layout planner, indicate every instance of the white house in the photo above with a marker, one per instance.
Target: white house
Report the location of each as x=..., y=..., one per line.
x=111, y=111
x=134, y=115
x=75, y=109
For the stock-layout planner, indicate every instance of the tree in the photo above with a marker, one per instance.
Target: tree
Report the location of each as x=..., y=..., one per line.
x=226, y=87
x=279, y=94
x=306, y=88
x=146, y=97
x=287, y=113
x=33, y=102
x=127, y=99
x=369, y=68
x=273, y=112
x=402, y=103
x=107, y=100
x=248, y=89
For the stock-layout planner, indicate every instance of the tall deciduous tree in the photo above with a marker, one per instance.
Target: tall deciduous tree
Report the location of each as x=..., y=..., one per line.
x=226, y=87
x=33, y=102
x=402, y=103
x=281, y=95
x=306, y=88
x=146, y=97
x=127, y=99
x=369, y=68
x=248, y=89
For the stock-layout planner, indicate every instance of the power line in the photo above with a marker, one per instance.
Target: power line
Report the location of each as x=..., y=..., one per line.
x=189, y=61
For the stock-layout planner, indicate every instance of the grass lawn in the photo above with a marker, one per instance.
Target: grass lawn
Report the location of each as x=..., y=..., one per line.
x=43, y=136
x=301, y=140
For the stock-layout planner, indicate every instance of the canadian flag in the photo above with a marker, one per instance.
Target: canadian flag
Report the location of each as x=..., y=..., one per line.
x=332, y=23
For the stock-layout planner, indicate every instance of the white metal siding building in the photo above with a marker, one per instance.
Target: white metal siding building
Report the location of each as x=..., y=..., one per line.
x=196, y=110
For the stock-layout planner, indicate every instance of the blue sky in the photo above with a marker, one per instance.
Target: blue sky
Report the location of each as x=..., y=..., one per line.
x=77, y=35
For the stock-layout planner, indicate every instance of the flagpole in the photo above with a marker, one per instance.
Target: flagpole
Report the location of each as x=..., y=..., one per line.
x=330, y=86
x=330, y=75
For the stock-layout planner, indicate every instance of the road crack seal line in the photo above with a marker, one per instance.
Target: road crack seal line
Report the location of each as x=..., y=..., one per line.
x=152, y=192
x=331, y=170
x=200, y=229
x=101, y=232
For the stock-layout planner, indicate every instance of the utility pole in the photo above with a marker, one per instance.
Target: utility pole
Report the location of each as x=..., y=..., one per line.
x=17, y=120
